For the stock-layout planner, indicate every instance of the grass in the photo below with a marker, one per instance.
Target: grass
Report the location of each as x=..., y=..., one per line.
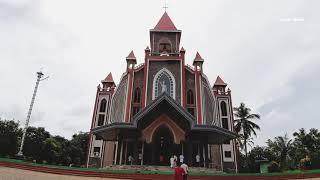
x=295, y=172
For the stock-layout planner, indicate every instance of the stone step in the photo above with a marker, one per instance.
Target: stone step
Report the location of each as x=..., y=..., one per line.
x=159, y=168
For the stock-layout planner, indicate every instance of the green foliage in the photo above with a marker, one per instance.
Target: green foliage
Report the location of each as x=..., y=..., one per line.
x=273, y=167
x=244, y=125
x=78, y=148
x=305, y=163
x=41, y=147
x=9, y=133
x=280, y=147
x=255, y=156
x=307, y=145
x=34, y=142
x=302, y=152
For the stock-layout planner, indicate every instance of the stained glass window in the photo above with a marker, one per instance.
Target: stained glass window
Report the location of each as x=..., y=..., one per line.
x=164, y=83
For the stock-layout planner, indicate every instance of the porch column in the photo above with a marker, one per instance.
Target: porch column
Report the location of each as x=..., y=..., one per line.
x=203, y=154
x=189, y=153
x=121, y=153
x=142, y=152
x=116, y=153
x=182, y=152
x=221, y=154
x=126, y=154
x=135, y=151
x=206, y=155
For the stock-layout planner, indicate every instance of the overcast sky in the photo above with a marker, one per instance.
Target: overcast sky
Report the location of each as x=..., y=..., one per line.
x=267, y=51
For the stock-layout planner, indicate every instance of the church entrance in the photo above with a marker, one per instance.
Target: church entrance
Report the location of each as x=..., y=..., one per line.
x=163, y=145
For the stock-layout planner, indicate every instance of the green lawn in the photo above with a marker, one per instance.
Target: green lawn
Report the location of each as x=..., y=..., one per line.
x=315, y=171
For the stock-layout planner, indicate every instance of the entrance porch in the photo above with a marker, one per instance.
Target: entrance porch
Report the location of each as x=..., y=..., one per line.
x=161, y=130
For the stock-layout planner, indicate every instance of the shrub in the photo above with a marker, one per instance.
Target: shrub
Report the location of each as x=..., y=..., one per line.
x=273, y=167
x=305, y=163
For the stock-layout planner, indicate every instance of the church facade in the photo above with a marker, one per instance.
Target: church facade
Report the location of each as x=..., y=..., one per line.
x=163, y=107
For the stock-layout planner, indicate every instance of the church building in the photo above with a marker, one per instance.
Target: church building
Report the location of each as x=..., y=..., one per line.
x=163, y=107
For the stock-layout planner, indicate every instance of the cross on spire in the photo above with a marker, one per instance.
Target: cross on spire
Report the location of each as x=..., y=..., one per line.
x=165, y=7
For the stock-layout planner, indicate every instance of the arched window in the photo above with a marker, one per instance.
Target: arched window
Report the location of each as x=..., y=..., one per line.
x=223, y=107
x=190, y=97
x=103, y=105
x=164, y=82
x=137, y=95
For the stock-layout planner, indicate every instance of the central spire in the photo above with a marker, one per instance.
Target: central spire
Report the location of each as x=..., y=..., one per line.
x=165, y=37
x=165, y=24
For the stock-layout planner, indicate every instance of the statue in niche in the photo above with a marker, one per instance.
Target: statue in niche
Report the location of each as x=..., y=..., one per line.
x=163, y=87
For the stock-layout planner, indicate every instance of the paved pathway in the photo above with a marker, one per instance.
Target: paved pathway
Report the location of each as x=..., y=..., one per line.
x=19, y=174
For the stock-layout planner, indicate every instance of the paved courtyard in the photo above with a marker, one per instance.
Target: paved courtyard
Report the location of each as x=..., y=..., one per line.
x=19, y=174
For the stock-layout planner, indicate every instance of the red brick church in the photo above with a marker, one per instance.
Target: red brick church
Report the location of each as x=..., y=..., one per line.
x=163, y=107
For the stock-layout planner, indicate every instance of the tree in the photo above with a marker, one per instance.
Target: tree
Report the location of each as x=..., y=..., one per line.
x=281, y=147
x=307, y=144
x=78, y=148
x=9, y=133
x=63, y=156
x=34, y=143
x=51, y=150
x=240, y=141
x=244, y=125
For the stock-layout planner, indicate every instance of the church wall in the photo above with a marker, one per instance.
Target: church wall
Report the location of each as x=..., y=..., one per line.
x=138, y=79
x=108, y=153
x=174, y=67
x=102, y=94
x=190, y=84
x=208, y=104
x=119, y=101
x=216, y=156
x=167, y=35
x=228, y=147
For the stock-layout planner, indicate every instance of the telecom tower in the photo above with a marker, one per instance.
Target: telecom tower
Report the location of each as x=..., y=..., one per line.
x=39, y=76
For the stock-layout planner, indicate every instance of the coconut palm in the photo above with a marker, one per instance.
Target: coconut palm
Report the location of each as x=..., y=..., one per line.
x=281, y=147
x=240, y=141
x=244, y=125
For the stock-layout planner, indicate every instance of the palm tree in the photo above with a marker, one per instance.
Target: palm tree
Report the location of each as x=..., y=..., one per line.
x=243, y=124
x=240, y=141
x=281, y=147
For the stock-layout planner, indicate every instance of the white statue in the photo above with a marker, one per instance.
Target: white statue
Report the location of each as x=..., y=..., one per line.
x=163, y=87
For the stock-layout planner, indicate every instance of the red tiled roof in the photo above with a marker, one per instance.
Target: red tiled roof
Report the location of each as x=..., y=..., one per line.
x=109, y=78
x=131, y=56
x=165, y=24
x=198, y=58
x=219, y=82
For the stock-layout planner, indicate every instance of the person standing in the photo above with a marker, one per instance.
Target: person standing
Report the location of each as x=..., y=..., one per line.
x=178, y=172
x=185, y=167
x=130, y=159
x=175, y=160
x=181, y=157
x=198, y=160
x=171, y=161
x=140, y=158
